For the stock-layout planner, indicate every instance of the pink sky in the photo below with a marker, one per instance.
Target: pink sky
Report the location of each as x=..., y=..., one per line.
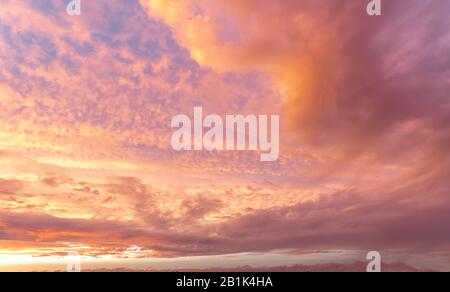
x=86, y=104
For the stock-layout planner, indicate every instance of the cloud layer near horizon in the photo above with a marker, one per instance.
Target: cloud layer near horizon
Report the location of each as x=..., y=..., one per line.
x=85, y=126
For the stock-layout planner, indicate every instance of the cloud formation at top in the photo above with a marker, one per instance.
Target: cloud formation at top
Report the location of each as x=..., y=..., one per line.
x=86, y=104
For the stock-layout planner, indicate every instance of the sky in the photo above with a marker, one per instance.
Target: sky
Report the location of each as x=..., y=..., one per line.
x=86, y=162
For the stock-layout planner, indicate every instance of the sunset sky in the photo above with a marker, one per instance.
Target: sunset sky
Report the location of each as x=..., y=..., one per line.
x=86, y=163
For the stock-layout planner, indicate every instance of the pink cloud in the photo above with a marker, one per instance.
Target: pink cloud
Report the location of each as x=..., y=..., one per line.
x=85, y=131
